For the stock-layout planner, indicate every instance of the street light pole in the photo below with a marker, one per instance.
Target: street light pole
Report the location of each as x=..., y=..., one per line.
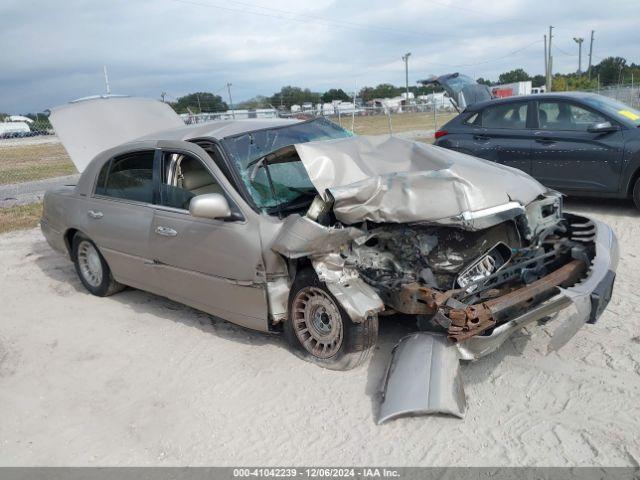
x=579, y=41
x=405, y=59
x=106, y=80
x=550, y=62
x=590, y=54
x=233, y=112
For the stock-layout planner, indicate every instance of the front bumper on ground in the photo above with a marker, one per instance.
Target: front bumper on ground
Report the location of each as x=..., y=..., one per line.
x=422, y=378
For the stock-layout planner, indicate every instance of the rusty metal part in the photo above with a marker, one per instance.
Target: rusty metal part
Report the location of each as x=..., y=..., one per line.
x=475, y=319
x=470, y=321
x=416, y=299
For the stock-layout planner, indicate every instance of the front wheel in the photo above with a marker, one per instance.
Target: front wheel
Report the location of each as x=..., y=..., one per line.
x=320, y=331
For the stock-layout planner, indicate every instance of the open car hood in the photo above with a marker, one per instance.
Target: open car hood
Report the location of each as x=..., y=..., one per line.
x=463, y=91
x=386, y=179
x=88, y=127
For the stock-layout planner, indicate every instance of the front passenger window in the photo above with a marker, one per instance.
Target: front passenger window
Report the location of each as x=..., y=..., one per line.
x=184, y=177
x=129, y=177
x=558, y=115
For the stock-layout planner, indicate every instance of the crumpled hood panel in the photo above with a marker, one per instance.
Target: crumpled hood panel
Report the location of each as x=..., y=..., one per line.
x=386, y=179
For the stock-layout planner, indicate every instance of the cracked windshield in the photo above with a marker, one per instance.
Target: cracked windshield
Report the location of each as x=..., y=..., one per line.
x=279, y=185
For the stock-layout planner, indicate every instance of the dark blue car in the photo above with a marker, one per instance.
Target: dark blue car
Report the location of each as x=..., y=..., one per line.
x=578, y=143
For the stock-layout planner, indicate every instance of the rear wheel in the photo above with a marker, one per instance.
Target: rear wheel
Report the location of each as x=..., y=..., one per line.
x=320, y=331
x=636, y=193
x=92, y=269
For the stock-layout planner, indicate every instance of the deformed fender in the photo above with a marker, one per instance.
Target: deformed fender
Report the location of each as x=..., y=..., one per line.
x=303, y=237
x=357, y=298
x=423, y=378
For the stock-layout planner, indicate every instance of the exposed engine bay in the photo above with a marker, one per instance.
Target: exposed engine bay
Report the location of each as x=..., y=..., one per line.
x=464, y=281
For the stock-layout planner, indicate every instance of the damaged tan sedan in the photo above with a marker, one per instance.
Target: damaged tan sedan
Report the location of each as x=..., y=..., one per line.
x=303, y=228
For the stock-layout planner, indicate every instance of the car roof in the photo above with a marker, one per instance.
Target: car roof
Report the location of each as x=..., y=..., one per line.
x=219, y=129
x=536, y=96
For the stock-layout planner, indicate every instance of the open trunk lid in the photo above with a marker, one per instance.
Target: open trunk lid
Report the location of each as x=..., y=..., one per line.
x=88, y=127
x=463, y=91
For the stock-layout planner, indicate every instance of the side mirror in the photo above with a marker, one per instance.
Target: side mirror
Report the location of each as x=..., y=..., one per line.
x=210, y=205
x=601, y=127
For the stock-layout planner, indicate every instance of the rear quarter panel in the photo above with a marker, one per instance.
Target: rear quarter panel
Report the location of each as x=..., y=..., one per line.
x=459, y=137
x=61, y=211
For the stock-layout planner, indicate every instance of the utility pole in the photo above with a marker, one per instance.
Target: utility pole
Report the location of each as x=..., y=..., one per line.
x=590, y=53
x=233, y=112
x=550, y=61
x=353, y=112
x=106, y=80
x=405, y=59
x=546, y=63
x=579, y=41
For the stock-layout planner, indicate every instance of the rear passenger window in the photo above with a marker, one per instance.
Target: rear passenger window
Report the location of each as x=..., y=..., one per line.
x=129, y=177
x=510, y=115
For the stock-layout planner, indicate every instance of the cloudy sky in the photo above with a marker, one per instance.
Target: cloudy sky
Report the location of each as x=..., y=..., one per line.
x=53, y=52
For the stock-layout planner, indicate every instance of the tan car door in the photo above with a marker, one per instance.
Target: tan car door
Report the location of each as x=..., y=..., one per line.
x=213, y=265
x=119, y=213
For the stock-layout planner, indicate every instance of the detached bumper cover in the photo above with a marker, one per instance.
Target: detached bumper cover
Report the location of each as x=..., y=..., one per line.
x=423, y=376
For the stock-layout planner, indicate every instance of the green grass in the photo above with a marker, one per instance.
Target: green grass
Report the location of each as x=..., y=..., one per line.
x=400, y=122
x=24, y=163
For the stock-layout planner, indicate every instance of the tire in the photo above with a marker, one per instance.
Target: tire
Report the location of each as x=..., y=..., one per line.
x=320, y=331
x=92, y=269
x=636, y=193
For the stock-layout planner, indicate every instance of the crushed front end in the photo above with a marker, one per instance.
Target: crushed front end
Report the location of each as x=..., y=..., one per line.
x=471, y=249
x=558, y=263
x=468, y=288
x=468, y=282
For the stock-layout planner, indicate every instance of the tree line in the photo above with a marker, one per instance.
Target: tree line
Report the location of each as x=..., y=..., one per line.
x=610, y=71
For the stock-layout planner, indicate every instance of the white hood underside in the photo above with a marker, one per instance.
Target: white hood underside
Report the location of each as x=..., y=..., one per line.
x=89, y=127
x=386, y=179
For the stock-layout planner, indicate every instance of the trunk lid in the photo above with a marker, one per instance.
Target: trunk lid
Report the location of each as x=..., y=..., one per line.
x=463, y=90
x=88, y=127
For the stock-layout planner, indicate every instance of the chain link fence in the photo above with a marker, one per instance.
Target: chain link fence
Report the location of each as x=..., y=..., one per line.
x=627, y=93
x=30, y=151
x=32, y=159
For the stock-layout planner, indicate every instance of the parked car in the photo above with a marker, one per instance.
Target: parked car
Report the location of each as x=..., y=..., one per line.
x=304, y=229
x=578, y=143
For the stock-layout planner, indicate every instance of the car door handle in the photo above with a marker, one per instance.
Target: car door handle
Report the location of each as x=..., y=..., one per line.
x=95, y=214
x=166, y=231
x=545, y=140
x=481, y=137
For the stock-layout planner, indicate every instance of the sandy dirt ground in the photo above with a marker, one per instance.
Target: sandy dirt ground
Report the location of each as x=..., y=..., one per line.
x=136, y=379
